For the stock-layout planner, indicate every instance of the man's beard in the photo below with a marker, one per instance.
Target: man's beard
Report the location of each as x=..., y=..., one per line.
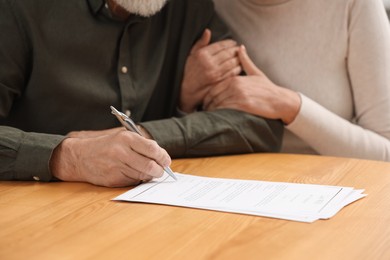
x=144, y=8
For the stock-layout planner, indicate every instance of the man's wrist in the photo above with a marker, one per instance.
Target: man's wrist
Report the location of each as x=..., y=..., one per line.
x=61, y=164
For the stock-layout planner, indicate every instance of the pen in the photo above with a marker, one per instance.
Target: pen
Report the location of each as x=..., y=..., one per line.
x=129, y=124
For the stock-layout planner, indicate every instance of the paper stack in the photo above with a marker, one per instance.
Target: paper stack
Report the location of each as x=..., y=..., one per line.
x=291, y=201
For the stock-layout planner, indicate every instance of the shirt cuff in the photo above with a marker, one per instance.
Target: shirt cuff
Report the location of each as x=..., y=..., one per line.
x=168, y=135
x=34, y=153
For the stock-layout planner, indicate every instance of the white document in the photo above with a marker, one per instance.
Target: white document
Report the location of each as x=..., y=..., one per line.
x=291, y=201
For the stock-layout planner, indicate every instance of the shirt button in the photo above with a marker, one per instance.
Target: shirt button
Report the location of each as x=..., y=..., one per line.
x=127, y=113
x=36, y=178
x=124, y=69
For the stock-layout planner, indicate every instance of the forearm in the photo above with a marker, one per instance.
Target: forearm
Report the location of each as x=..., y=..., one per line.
x=216, y=133
x=26, y=156
x=329, y=134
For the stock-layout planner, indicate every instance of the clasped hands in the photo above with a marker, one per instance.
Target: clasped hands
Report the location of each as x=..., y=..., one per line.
x=220, y=85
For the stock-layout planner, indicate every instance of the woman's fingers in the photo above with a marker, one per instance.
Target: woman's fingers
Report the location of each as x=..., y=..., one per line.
x=247, y=64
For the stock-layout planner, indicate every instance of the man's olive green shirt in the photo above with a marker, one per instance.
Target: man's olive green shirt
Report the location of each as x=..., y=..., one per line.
x=64, y=63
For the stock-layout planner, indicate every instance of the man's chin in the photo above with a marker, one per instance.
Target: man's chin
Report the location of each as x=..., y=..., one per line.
x=144, y=8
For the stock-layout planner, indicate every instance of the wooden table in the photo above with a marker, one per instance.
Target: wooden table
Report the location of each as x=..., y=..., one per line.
x=79, y=221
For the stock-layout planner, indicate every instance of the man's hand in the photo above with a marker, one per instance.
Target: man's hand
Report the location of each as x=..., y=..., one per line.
x=117, y=159
x=206, y=65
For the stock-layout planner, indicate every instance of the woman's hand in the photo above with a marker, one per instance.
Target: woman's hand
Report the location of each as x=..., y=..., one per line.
x=254, y=94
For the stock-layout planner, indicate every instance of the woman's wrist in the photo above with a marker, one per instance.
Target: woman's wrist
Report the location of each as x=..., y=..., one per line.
x=292, y=104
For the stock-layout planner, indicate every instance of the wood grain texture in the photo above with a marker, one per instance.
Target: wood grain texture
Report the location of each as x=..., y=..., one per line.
x=79, y=221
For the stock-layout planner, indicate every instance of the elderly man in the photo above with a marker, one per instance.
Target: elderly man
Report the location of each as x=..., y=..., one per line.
x=63, y=63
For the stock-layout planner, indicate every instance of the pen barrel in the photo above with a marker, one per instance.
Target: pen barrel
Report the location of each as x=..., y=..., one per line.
x=130, y=125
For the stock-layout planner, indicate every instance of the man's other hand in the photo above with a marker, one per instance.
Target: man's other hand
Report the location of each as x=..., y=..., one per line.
x=206, y=65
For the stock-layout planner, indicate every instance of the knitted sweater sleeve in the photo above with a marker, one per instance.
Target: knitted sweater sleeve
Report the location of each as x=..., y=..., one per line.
x=368, y=63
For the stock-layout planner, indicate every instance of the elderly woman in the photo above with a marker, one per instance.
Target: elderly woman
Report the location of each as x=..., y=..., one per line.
x=322, y=67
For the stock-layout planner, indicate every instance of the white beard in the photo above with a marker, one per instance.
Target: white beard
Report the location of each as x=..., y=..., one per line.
x=144, y=8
